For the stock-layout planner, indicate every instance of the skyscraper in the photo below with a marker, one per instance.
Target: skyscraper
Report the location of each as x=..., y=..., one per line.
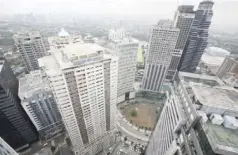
x=171, y=119
x=38, y=101
x=228, y=70
x=229, y=65
x=163, y=39
x=31, y=46
x=16, y=128
x=126, y=51
x=197, y=40
x=83, y=78
x=183, y=20
x=5, y=149
x=199, y=117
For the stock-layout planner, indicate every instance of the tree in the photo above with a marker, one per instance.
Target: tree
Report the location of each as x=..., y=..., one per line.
x=125, y=138
x=53, y=148
x=133, y=113
x=132, y=142
x=67, y=140
x=135, y=146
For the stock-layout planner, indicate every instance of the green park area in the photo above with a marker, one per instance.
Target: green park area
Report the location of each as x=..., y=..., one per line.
x=140, y=59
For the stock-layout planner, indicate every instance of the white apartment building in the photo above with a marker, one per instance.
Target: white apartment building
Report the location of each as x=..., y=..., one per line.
x=117, y=34
x=31, y=46
x=162, y=43
x=83, y=78
x=39, y=103
x=126, y=51
x=6, y=149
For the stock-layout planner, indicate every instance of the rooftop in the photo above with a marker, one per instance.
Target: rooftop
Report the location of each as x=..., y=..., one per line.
x=210, y=95
x=32, y=83
x=223, y=138
x=200, y=78
x=219, y=97
x=73, y=54
x=166, y=24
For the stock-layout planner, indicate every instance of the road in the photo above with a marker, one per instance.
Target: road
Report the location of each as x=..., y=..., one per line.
x=132, y=134
x=126, y=149
x=37, y=146
x=64, y=150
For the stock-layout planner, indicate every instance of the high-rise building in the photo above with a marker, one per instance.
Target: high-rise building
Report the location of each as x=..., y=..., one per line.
x=228, y=71
x=117, y=34
x=83, y=78
x=16, y=128
x=183, y=20
x=229, y=65
x=126, y=50
x=170, y=121
x=163, y=39
x=38, y=101
x=199, y=117
x=31, y=46
x=197, y=39
x=5, y=149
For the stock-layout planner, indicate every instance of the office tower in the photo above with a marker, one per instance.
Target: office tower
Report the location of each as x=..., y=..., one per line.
x=183, y=20
x=197, y=39
x=31, y=47
x=126, y=51
x=38, y=101
x=83, y=78
x=228, y=71
x=16, y=128
x=198, y=118
x=117, y=34
x=171, y=119
x=5, y=149
x=163, y=39
x=229, y=65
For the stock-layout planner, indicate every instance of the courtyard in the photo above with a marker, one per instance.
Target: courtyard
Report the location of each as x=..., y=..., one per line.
x=142, y=115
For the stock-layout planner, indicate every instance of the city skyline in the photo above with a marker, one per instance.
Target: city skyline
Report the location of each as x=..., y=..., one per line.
x=160, y=9
x=126, y=77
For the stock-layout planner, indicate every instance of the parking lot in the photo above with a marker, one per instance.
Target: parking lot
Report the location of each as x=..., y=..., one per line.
x=128, y=147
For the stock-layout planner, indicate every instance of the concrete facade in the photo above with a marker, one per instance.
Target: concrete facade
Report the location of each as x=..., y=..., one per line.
x=163, y=39
x=83, y=79
x=31, y=46
x=39, y=103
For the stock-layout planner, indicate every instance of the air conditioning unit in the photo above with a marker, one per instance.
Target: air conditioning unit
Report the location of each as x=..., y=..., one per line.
x=230, y=122
x=216, y=119
x=203, y=115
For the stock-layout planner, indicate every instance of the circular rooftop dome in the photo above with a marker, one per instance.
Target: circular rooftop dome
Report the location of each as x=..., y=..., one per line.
x=216, y=51
x=63, y=33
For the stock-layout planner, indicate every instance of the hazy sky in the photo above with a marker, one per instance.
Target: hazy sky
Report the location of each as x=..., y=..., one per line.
x=225, y=11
